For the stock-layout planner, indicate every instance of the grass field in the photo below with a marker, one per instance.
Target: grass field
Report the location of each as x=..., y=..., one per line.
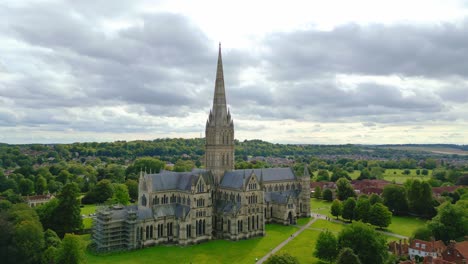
x=219, y=251
x=320, y=207
x=401, y=225
x=88, y=209
x=303, y=245
x=398, y=176
x=405, y=225
x=393, y=175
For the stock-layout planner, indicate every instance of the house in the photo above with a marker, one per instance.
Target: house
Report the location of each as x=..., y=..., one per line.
x=423, y=248
x=456, y=252
x=36, y=200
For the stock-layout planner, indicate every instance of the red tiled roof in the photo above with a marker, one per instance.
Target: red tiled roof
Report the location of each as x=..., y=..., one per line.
x=462, y=247
x=430, y=246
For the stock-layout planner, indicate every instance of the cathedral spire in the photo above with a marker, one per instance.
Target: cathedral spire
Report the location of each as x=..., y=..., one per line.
x=219, y=99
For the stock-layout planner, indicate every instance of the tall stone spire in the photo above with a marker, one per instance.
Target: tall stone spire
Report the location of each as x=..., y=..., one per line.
x=219, y=145
x=219, y=99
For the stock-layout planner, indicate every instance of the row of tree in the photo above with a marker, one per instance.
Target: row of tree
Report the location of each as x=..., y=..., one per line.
x=356, y=243
x=365, y=210
x=23, y=239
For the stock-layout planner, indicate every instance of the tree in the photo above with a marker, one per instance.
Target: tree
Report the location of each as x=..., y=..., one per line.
x=71, y=250
x=336, y=208
x=317, y=192
x=374, y=198
x=420, y=198
x=369, y=245
x=439, y=174
x=284, y=258
x=145, y=164
x=121, y=195
x=64, y=177
x=28, y=240
x=100, y=193
x=26, y=187
x=376, y=173
x=344, y=190
x=430, y=164
x=21, y=235
x=184, y=165
x=362, y=210
x=365, y=174
x=423, y=233
x=339, y=173
x=451, y=221
x=347, y=256
x=41, y=185
x=348, y=209
x=322, y=175
x=326, y=247
x=380, y=216
x=327, y=195
x=394, y=197
x=115, y=173
x=66, y=215
x=132, y=186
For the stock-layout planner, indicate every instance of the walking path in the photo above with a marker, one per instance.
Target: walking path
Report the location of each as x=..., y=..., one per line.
x=286, y=241
x=316, y=217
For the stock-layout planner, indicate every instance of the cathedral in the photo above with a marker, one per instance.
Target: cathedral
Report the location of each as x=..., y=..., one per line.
x=217, y=202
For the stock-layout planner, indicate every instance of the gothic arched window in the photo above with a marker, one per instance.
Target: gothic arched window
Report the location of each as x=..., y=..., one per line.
x=143, y=200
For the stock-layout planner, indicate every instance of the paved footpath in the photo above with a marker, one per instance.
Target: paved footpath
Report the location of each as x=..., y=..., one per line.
x=286, y=241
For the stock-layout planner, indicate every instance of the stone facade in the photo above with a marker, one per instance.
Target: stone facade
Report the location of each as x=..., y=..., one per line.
x=217, y=202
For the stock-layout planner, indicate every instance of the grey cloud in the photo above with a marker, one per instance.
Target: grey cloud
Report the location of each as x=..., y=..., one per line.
x=408, y=50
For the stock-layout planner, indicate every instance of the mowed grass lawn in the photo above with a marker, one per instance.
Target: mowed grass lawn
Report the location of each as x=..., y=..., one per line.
x=86, y=210
x=401, y=225
x=320, y=207
x=393, y=175
x=217, y=251
x=398, y=176
x=303, y=245
x=405, y=225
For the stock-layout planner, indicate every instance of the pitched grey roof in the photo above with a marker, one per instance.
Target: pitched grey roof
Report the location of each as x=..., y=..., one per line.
x=226, y=207
x=144, y=213
x=235, y=179
x=169, y=180
x=176, y=210
x=280, y=197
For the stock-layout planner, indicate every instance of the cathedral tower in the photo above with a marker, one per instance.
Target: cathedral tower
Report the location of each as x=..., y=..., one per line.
x=219, y=145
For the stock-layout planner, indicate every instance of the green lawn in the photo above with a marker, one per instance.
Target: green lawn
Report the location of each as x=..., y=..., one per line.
x=320, y=207
x=218, y=251
x=405, y=225
x=393, y=174
x=398, y=176
x=88, y=209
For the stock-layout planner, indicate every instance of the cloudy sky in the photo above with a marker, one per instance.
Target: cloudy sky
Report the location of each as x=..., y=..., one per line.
x=333, y=72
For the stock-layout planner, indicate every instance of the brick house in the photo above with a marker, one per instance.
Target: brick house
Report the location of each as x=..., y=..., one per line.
x=423, y=248
x=456, y=252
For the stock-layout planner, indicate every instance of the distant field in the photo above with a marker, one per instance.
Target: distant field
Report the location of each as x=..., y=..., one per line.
x=398, y=176
x=394, y=175
x=433, y=149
